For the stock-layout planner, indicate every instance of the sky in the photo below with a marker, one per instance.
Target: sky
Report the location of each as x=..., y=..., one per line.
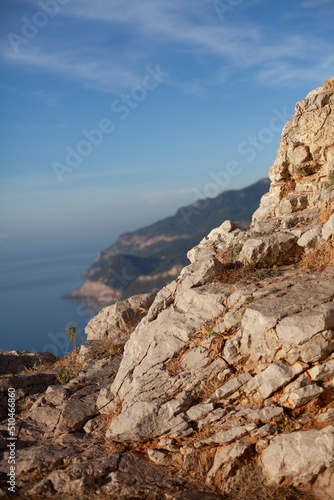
x=115, y=113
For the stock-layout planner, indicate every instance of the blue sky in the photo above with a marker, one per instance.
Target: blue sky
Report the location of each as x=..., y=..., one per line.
x=114, y=113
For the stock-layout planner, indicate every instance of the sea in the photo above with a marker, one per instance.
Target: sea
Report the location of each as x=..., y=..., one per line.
x=33, y=314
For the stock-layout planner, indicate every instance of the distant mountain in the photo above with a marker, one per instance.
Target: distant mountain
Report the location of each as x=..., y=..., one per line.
x=147, y=259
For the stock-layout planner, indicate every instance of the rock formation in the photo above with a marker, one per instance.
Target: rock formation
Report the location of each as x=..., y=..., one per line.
x=227, y=369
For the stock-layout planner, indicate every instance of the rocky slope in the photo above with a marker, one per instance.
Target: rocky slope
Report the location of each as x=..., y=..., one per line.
x=147, y=259
x=227, y=373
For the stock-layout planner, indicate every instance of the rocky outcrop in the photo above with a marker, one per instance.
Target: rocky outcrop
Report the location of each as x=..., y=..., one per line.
x=18, y=361
x=269, y=334
x=230, y=365
x=116, y=322
x=304, y=160
x=101, y=294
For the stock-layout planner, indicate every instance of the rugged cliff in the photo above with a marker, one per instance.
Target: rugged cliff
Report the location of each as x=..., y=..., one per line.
x=147, y=259
x=225, y=388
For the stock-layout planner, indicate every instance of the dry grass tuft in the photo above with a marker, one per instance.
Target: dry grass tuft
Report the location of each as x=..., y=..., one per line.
x=114, y=447
x=319, y=259
x=325, y=213
x=39, y=368
x=236, y=272
x=231, y=255
x=174, y=365
x=104, y=349
x=65, y=368
x=197, y=466
x=205, y=389
x=249, y=482
x=107, y=418
x=328, y=84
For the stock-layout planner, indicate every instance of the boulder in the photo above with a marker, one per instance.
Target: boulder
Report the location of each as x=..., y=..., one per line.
x=299, y=456
x=269, y=250
x=120, y=319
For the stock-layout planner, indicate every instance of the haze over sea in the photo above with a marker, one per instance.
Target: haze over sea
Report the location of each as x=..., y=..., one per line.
x=33, y=314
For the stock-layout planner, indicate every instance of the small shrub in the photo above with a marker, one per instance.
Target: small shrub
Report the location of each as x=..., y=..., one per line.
x=63, y=375
x=258, y=274
x=328, y=84
x=68, y=368
x=72, y=333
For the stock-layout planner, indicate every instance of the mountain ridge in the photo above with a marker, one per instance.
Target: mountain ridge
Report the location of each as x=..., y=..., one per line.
x=146, y=259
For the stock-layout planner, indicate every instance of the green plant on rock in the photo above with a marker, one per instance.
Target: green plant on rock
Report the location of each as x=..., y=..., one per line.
x=330, y=178
x=209, y=331
x=254, y=274
x=63, y=375
x=72, y=333
x=259, y=234
x=236, y=250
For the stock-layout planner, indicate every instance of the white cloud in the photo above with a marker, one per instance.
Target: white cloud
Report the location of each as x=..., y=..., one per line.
x=285, y=73
x=154, y=27
x=310, y=4
x=95, y=72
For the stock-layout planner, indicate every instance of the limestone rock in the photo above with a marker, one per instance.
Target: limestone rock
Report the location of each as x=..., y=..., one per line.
x=119, y=475
x=273, y=378
x=197, y=412
x=162, y=457
x=301, y=327
x=223, y=236
x=265, y=414
x=276, y=249
x=232, y=385
x=225, y=437
x=77, y=412
x=303, y=395
x=278, y=313
x=302, y=162
x=39, y=457
x=120, y=319
x=149, y=419
x=322, y=372
x=328, y=228
x=227, y=458
x=310, y=238
x=327, y=416
x=299, y=456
